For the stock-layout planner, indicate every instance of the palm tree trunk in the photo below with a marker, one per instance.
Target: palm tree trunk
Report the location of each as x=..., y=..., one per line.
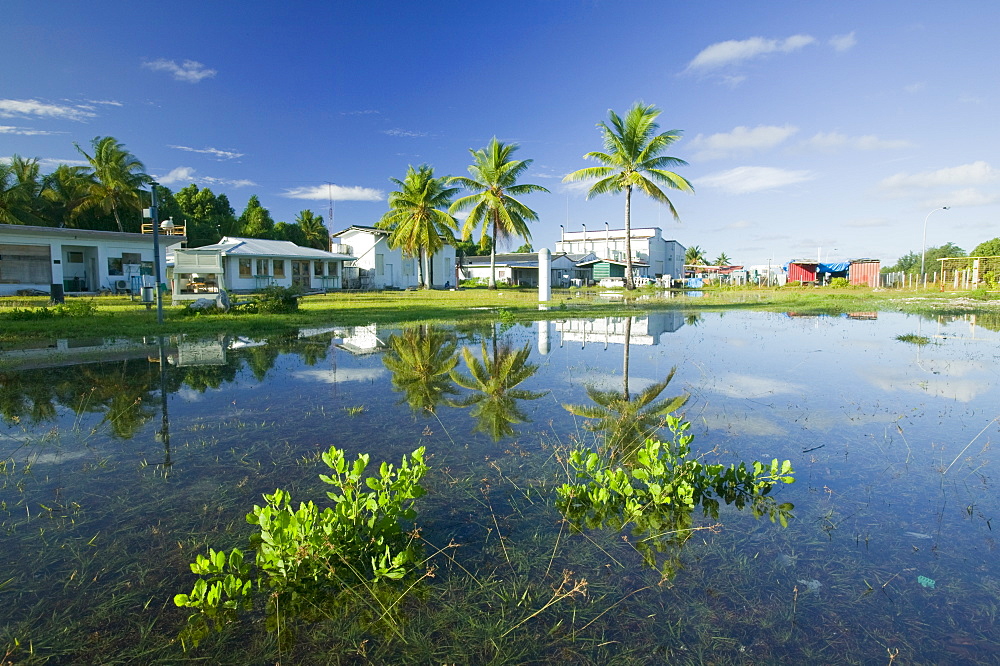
x=420, y=268
x=629, y=282
x=114, y=209
x=493, y=255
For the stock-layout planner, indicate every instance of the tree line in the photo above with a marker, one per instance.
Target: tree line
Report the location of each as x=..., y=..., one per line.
x=108, y=193
x=909, y=263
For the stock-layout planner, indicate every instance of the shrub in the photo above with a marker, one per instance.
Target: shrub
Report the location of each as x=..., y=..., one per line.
x=278, y=300
x=981, y=294
x=839, y=283
x=304, y=552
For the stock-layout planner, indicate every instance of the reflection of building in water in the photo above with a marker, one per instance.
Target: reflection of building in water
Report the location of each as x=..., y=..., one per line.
x=73, y=351
x=646, y=330
x=362, y=340
x=200, y=352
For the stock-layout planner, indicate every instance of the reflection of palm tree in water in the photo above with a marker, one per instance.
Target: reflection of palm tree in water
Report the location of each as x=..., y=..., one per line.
x=627, y=420
x=493, y=380
x=421, y=360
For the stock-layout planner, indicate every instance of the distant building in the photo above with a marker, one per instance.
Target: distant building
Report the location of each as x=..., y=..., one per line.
x=377, y=266
x=521, y=268
x=652, y=255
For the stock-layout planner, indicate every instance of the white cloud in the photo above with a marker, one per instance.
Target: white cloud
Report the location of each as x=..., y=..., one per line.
x=214, y=152
x=750, y=386
x=743, y=180
x=362, y=112
x=335, y=192
x=739, y=224
x=341, y=375
x=835, y=140
x=105, y=102
x=190, y=71
x=404, y=133
x=740, y=140
x=915, y=87
x=733, y=52
x=25, y=131
x=868, y=223
x=187, y=175
x=577, y=186
x=843, y=42
x=964, y=197
x=23, y=108
x=976, y=173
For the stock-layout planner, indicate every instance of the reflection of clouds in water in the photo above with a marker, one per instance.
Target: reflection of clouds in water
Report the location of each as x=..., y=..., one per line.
x=744, y=424
x=750, y=386
x=903, y=379
x=340, y=376
x=612, y=382
x=188, y=394
x=54, y=457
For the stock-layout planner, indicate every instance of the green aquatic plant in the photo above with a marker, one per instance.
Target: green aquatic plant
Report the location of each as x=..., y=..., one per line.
x=305, y=552
x=658, y=492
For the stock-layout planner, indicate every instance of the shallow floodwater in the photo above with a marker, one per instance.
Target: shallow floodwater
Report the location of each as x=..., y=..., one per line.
x=115, y=474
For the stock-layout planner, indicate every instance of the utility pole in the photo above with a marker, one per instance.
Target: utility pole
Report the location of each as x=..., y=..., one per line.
x=154, y=217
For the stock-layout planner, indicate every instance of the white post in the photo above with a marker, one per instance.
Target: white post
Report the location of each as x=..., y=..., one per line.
x=544, y=275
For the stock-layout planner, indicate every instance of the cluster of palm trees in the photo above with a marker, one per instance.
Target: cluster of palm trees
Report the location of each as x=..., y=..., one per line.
x=695, y=256
x=90, y=196
x=421, y=216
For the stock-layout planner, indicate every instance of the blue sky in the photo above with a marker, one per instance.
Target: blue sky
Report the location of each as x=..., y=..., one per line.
x=809, y=127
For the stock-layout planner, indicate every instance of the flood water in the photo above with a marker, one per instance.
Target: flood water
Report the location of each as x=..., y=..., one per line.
x=114, y=474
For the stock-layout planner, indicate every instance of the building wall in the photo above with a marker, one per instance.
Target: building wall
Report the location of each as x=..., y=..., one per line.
x=97, y=258
x=864, y=272
x=665, y=257
x=389, y=268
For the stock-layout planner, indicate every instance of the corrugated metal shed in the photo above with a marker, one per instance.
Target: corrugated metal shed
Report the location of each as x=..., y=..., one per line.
x=803, y=271
x=864, y=271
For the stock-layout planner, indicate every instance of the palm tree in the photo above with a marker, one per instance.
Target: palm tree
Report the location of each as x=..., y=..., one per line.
x=633, y=159
x=694, y=256
x=417, y=217
x=67, y=189
x=493, y=380
x=119, y=176
x=492, y=204
x=313, y=229
x=723, y=259
x=420, y=361
x=20, y=188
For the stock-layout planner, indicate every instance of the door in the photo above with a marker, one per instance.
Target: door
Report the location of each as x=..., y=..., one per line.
x=300, y=273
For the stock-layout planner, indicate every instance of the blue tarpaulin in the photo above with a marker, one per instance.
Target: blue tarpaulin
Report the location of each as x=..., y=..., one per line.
x=838, y=267
x=694, y=283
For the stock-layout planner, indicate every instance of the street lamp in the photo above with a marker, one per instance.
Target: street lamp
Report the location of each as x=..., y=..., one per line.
x=923, y=249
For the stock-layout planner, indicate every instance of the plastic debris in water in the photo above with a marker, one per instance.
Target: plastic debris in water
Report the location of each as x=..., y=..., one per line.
x=926, y=582
x=919, y=535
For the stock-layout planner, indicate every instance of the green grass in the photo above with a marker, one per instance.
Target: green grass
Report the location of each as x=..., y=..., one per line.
x=118, y=316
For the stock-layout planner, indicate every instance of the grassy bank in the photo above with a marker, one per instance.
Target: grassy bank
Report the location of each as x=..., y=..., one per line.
x=106, y=316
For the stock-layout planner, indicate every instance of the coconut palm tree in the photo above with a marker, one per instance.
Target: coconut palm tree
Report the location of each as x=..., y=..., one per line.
x=20, y=188
x=418, y=220
x=67, y=189
x=492, y=205
x=723, y=259
x=313, y=229
x=694, y=256
x=632, y=158
x=118, y=175
x=493, y=379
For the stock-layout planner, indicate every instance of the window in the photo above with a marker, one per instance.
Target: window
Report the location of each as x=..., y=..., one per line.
x=74, y=257
x=380, y=264
x=131, y=258
x=245, y=268
x=114, y=266
x=331, y=268
x=262, y=267
x=25, y=264
x=279, y=268
x=318, y=268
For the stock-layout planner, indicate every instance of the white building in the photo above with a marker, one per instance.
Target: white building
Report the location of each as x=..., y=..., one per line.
x=522, y=269
x=377, y=266
x=662, y=257
x=251, y=264
x=56, y=260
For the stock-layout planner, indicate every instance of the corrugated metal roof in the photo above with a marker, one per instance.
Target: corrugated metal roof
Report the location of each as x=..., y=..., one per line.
x=258, y=247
